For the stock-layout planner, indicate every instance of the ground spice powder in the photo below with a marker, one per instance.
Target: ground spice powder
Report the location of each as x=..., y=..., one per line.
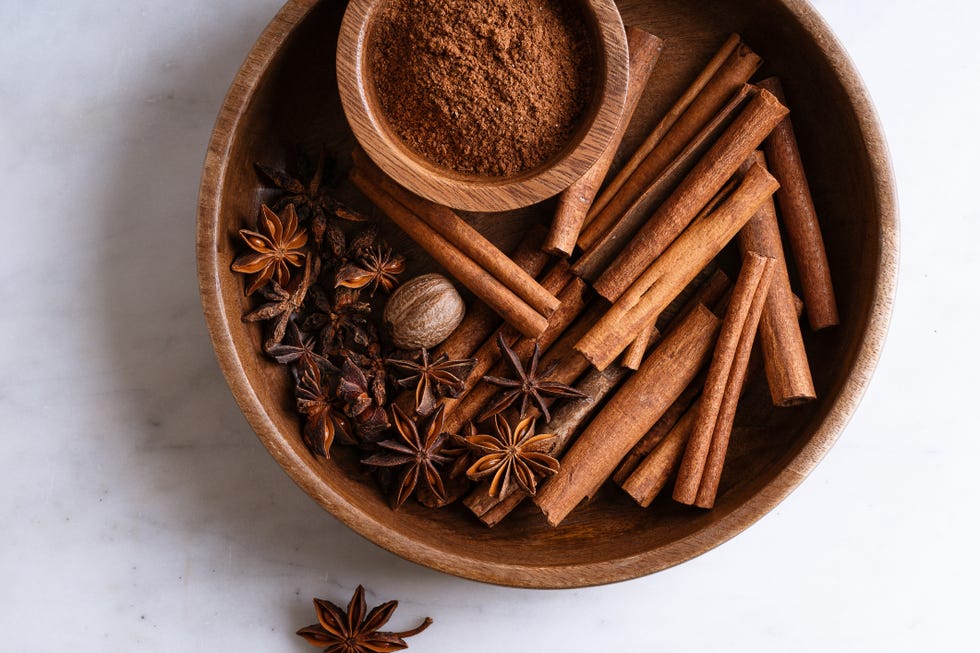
x=489, y=87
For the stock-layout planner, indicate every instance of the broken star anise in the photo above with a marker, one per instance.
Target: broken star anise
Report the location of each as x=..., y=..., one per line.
x=354, y=391
x=311, y=199
x=299, y=348
x=377, y=267
x=508, y=456
x=528, y=384
x=343, y=318
x=275, y=246
x=281, y=305
x=314, y=398
x=416, y=456
x=356, y=630
x=440, y=376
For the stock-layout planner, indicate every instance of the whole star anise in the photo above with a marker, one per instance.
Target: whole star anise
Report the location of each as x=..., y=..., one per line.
x=314, y=398
x=311, y=198
x=356, y=630
x=276, y=246
x=345, y=317
x=298, y=348
x=281, y=305
x=415, y=455
x=508, y=456
x=528, y=384
x=377, y=267
x=433, y=377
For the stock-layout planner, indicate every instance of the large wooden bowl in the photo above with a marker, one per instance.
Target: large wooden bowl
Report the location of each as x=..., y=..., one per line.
x=476, y=192
x=286, y=93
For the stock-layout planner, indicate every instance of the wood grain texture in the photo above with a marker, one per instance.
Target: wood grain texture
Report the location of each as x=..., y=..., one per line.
x=285, y=94
x=472, y=192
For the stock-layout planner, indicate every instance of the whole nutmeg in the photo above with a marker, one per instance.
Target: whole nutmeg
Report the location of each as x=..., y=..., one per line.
x=423, y=312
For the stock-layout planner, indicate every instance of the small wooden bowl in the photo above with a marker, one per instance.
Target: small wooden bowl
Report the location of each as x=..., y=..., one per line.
x=474, y=192
x=285, y=94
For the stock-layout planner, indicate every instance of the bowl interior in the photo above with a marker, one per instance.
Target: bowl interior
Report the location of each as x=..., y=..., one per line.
x=293, y=102
x=469, y=191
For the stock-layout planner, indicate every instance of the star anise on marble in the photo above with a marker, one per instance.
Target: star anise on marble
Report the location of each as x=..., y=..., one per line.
x=416, y=456
x=314, y=398
x=311, y=198
x=512, y=455
x=281, y=305
x=529, y=384
x=277, y=245
x=377, y=267
x=343, y=317
x=354, y=391
x=432, y=377
x=356, y=630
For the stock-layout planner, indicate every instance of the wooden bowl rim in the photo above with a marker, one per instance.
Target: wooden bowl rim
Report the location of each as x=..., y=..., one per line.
x=290, y=457
x=471, y=193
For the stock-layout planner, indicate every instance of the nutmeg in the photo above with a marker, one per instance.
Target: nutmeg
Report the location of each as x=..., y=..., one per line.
x=423, y=312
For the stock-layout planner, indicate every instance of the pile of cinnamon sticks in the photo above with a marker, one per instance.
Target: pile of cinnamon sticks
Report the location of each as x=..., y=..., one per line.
x=641, y=317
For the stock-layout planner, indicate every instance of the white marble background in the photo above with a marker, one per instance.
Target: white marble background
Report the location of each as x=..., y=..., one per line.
x=139, y=512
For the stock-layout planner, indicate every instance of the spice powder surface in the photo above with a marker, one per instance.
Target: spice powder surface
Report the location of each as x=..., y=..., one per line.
x=486, y=87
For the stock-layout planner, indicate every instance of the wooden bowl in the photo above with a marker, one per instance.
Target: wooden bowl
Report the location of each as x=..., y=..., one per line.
x=286, y=93
x=475, y=192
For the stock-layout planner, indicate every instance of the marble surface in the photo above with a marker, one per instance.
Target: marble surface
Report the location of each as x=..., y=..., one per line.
x=139, y=512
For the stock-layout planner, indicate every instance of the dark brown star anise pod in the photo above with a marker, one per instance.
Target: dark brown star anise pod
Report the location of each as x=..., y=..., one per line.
x=275, y=246
x=353, y=390
x=281, y=305
x=314, y=398
x=516, y=455
x=356, y=630
x=298, y=348
x=345, y=317
x=344, y=249
x=373, y=365
x=433, y=377
x=528, y=384
x=415, y=455
x=311, y=199
x=377, y=267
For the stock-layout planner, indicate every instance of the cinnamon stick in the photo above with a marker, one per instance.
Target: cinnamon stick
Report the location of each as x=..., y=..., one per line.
x=725, y=375
x=659, y=432
x=575, y=202
x=604, y=239
x=671, y=272
x=651, y=475
x=481, y=283
x=481, y=321
x=787, y=367
x=634, y=355
x=629, y=414
x=711, y=173
x=800, y=218
x=731, y=67
x=466, y=239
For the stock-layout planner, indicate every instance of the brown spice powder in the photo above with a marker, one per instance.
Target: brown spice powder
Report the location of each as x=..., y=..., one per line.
x=489, y=87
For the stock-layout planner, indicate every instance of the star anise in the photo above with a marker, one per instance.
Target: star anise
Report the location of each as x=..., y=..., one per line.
x=377, y=267
x=352, y=631
x=516, y=455
x=344, y=317
x=344, y=249
x=281, y=305
x=353, y=390
x=311, y=199
x=433, y=377
x=529, y=384
x=314, y=398
x=299, y=349
x=373, y=365
x=276, y=246
x=415, y=455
